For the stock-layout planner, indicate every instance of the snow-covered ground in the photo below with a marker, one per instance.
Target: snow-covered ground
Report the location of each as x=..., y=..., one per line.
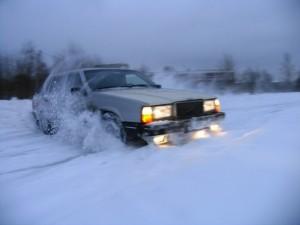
x=249, y=176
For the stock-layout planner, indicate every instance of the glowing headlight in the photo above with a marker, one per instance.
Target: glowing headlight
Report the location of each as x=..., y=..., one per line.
x=209, y=105
x=212, y=105
x=149, y=114
x=160, y=112
x=217, y=105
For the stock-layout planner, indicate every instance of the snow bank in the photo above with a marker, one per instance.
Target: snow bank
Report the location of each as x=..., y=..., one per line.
x=249, y=176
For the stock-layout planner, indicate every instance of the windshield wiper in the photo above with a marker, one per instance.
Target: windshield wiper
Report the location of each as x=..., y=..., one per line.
x=138, y=85
x=129, y=86
x=121, y=86
x=111, y=87
x=145, y=85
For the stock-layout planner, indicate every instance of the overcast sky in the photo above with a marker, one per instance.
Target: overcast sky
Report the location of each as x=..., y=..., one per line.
x=184, y=33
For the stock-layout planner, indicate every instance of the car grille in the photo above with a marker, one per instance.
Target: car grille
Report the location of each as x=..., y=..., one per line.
x=189, y=109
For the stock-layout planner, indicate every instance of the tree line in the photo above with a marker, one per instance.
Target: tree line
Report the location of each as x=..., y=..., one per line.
x=226, y=78
x=23, y=74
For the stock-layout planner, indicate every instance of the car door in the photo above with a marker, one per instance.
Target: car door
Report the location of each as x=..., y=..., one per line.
x=75, y=93
x=52, y=97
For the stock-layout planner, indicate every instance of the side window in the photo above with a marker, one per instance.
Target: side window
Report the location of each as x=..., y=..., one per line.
x=74, y=81
x=44, y=89
x=47, y=88
x=55, y=84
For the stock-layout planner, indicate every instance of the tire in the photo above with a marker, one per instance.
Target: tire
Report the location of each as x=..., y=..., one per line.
x=113, y=125
x=37, y=123
x=48, y=127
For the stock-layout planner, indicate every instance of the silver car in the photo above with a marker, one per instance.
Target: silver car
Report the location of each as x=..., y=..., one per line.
x=131, y=106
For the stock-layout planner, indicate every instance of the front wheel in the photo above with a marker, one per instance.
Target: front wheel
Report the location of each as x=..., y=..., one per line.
x=113, y=125
x=48, y=127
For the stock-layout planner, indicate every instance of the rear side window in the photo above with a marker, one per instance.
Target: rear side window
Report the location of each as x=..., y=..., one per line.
x=74, y=81
x=55, y=84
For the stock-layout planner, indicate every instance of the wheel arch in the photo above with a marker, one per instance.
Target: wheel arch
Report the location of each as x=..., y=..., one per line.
x=112, y=111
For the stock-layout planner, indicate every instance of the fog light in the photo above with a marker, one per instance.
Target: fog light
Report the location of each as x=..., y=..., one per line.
x=161, y=139
x=200, y=134
x=215, y=128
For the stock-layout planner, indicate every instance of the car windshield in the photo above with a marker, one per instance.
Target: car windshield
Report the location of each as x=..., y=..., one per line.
x=102, y=79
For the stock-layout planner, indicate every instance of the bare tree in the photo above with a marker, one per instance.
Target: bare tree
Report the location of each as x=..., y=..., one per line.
x=264, y=81
x=1, y=77
x=298, y=81
x=287, y=68
x=31, y=69
x=228, y=66
x=250, y=78
x=168, y=69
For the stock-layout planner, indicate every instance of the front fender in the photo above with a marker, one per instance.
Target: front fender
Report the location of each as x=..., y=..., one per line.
x=126, y=109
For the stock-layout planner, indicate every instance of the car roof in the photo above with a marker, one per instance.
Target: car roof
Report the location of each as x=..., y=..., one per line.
x=61, y=73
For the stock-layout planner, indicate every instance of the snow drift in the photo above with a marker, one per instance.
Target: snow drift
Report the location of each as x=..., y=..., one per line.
x=250, y=176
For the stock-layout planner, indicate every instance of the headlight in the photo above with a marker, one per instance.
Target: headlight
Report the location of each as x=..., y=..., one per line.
x=212, y=105
x=217, y=105
x=160, y=112
x=147, y=114
x=151, y=113
x=209, y=106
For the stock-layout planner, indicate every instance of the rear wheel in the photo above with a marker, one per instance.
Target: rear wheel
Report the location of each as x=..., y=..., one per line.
x=113, y=125
x=48, y=127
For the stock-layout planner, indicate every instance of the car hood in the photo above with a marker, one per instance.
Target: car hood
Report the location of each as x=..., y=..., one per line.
x=155, y=96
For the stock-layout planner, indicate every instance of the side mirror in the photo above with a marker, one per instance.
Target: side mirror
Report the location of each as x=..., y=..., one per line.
x=79, y=90
x=74, y=89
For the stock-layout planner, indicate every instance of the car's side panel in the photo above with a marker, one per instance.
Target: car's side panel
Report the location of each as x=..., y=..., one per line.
x=127, y=109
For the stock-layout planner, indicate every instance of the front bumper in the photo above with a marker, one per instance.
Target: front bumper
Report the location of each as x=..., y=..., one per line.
x=184, y=129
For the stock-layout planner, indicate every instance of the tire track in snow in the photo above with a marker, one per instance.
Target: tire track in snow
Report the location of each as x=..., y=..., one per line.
x=52, y=164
